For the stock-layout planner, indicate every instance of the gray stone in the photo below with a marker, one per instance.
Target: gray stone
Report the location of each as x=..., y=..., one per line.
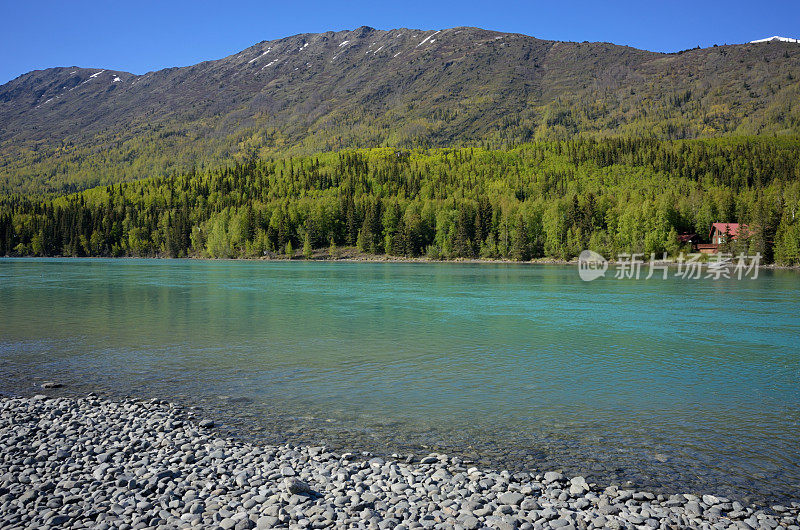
x=58, y=520
x=710, y=500
x=578, y=485
x=512, y=498
x=470, y=522
x=296, y=486
x=266, y=521
x=553, y=476
x=100, y=472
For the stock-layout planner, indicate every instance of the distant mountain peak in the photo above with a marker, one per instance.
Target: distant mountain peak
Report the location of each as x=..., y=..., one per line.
x=775, y=38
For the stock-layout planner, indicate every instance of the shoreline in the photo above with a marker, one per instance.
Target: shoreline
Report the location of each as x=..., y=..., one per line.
x=88, y=461
x=370, y=258
x=277, y=425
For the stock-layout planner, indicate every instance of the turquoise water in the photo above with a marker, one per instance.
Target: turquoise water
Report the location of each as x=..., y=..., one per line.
x=676, y=384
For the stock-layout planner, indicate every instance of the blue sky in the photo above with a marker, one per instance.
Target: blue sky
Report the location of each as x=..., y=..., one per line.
x=149, y=35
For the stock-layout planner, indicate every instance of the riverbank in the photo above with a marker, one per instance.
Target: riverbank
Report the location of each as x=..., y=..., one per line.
x=353, y=255
x=88, y=462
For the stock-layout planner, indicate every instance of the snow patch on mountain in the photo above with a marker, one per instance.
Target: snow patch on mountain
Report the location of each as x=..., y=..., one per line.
x=776, y=38
x=251, y=61
x=428, y=37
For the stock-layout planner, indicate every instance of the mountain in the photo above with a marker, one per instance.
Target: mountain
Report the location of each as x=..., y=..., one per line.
x=69, y=128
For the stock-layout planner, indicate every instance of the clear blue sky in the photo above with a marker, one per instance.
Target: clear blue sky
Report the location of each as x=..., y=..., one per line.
x=149, y=35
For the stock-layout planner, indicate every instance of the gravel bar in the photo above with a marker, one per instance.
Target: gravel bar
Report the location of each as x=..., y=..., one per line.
x=93, y=463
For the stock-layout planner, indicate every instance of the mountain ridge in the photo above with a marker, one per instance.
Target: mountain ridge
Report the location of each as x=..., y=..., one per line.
x=67, y=128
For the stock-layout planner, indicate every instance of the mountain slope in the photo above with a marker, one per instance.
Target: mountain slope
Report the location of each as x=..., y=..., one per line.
x=67, y=128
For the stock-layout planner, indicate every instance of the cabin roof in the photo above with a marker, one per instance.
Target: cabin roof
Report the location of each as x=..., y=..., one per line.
x=729, y=228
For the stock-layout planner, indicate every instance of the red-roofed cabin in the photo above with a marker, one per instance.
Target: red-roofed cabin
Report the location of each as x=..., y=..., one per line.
x=720, y=232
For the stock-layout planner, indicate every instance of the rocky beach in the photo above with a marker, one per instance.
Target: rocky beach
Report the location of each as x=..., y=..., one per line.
x=92, y=463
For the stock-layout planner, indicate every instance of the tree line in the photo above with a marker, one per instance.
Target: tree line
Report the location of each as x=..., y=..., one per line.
x=548, y=199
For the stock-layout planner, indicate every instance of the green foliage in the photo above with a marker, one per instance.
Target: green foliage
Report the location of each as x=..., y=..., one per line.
x=541, y=199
